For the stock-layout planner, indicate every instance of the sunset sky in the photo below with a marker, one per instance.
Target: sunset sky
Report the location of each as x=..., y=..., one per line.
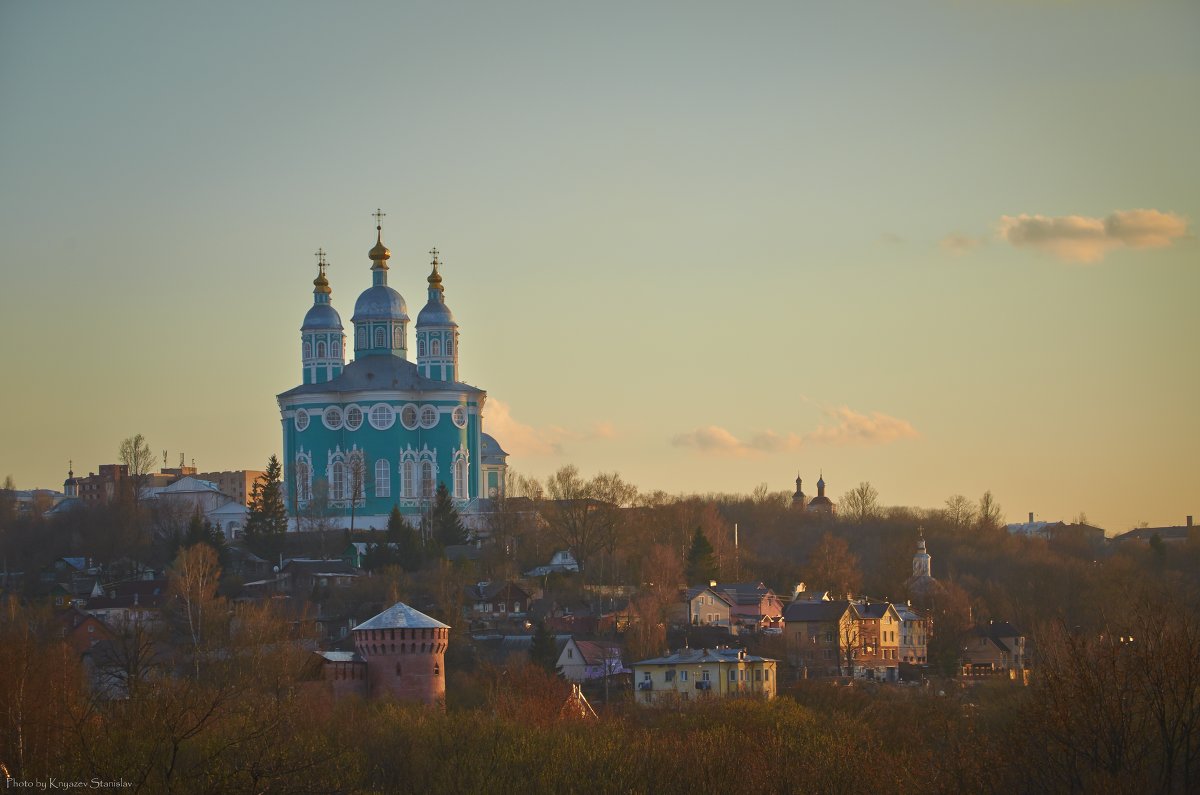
x=943, y=247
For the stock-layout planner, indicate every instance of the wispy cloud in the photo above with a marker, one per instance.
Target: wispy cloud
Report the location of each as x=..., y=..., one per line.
x=1080, y=238
x=519, y=438
x=845, y=426
x=957, y=244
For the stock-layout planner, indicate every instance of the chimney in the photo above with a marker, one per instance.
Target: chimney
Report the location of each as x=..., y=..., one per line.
x=1031, y=517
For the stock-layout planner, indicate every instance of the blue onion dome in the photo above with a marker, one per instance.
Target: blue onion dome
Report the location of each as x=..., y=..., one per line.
x=380, y=302
x=436, y=313
x=322, y=316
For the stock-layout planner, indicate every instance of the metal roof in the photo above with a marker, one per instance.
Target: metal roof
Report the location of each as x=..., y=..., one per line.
x=381, y=373
x=401, y=616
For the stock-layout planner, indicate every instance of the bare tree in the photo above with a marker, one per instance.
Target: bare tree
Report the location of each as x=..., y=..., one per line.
x=139, y=464
x=356, y=481
x=959, y=512
x=990, y=517
x=834, y=567
x=583, y=514
x=861, y=503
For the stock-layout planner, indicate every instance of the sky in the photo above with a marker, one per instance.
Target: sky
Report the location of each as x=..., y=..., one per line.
x=943, y=247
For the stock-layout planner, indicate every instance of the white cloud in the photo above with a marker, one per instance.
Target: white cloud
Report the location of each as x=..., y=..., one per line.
x=1080, y=238
x=518, y=438
x=846, y=427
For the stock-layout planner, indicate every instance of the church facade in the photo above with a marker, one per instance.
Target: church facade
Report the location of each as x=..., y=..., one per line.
x=386, y=428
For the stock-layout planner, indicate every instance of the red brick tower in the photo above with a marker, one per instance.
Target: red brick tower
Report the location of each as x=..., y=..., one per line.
x=404, y=650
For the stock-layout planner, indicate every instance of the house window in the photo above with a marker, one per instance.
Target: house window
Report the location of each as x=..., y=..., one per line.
x=516, y=607
x=704, y=676
x=683, y=676
x=732, y=675
x=646, y=676
x=570, y=654
x=767, y=674
x=758, y=675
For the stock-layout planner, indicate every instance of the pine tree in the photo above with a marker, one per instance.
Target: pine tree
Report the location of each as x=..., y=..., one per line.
x=448, y=528
x=701, y=564
x=268, y=518
x=408, y=545
x=543, y=651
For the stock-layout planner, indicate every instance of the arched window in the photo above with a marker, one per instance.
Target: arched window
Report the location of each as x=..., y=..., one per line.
x=435, y=347
x=357, y=473
x=420, y=346
x=410, y=480
x=337, y=480
x=383, y=479
x=320, y=350
x=460, y=478
x=303, y=481
x=308, y=350
x=360, y=335
x=397, y=337
x=335, y=349
x=426, y=479
x=380, y=337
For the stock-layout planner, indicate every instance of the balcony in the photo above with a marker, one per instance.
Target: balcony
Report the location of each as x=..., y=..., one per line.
x=703, y=685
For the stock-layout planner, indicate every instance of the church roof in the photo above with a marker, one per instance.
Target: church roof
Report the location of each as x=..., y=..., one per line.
x=381, y=372
x=401, y=616
x=491, y=450
x=379, y=302
x=321, y=316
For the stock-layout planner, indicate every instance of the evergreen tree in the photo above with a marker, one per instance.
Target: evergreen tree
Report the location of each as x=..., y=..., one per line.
x=202, y=531
x=448, y=528
x=543, y=651
x=268, y=518
x=404, y=536
x=701, y=564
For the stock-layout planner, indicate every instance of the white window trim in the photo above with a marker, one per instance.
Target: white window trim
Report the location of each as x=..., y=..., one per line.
x=337, y=413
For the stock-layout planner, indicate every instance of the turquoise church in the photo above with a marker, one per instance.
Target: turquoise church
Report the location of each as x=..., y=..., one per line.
x=386, y=428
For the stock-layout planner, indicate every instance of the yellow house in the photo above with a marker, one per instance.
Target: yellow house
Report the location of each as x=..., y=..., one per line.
x=690, y=674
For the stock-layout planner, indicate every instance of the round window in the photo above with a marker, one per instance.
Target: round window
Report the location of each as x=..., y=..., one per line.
x=408, y=417
x=354, y=417
x=429, y=416
x=301, y=419
x=382, y=416
x=332, y=418
x=460, y=416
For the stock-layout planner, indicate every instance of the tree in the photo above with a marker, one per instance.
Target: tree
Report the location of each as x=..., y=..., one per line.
x=701, y=565
x=860, y=504
x=583, y=514
x=193, y=587
x=960, y=512
x=990, y=517
x=543, y=651
x=139, y=462
x=404, y=536
x=267, y=521
x=448, y=528
x=833, y=567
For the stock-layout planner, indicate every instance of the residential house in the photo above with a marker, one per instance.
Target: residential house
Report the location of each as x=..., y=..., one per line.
x=914, y=635
x=709, y=607
x=305, y=574
x=81, y=630
x=996, y=646
x=129, y=602
x=754, y=606
x=690, y=674
x=877, y=655
x=820, y=636
x=496, y=600
x=584, y=660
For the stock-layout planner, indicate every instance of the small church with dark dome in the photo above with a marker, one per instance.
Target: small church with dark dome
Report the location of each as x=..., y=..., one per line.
x=385, y=428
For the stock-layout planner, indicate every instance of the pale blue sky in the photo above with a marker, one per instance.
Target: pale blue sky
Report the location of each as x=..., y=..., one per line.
x=653, y=221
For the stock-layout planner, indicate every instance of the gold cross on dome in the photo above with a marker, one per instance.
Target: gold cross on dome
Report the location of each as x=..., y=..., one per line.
x=378, y=214
x=320, y=255
x=433, y=252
